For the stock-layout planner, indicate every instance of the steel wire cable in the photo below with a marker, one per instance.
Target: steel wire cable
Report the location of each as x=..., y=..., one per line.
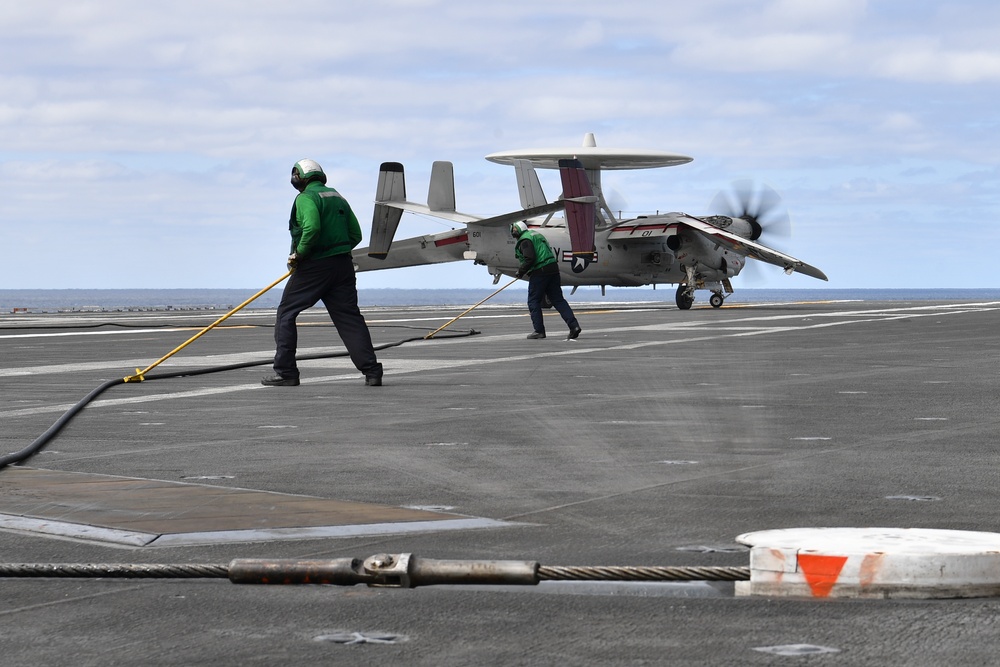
x=115, y=570
x=590, y=573
x=221, y=571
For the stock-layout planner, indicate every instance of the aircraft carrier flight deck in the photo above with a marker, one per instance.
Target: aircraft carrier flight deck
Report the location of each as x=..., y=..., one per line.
x=654, y=439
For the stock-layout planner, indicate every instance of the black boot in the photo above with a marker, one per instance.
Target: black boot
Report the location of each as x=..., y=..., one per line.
x=279, y=381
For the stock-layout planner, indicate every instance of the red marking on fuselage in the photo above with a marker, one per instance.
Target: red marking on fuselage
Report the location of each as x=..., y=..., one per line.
x=462, y=238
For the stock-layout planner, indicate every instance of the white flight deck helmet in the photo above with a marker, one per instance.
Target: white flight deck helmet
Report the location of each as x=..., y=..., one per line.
x=305, y=171
x=518, y=228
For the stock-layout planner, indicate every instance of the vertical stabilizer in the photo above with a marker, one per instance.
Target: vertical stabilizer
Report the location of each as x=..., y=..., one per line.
x=528, y=186
x=391, y=188
x=391, y=184
x=441, y=191
x=580, y=215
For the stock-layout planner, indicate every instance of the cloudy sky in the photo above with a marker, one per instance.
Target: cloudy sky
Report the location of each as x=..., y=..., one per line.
x=148, y=145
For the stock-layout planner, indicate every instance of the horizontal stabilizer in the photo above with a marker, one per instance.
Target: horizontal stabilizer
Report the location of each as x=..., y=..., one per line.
x=580, y=215
x=391, y=191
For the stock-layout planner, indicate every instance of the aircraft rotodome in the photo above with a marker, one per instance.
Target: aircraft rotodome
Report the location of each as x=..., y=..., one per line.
x=594, y=246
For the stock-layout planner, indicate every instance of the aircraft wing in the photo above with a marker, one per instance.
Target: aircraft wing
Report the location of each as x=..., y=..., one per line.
x=643, y=228
x=750, y=248
x=447, y=246
x=505, y=219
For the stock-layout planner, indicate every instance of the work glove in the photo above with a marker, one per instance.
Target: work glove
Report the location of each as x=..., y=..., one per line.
x=293, y=260
x=519, y=274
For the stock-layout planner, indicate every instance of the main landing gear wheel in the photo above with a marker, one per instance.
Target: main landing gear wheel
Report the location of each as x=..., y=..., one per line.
x=683, y=298
x=716, y=300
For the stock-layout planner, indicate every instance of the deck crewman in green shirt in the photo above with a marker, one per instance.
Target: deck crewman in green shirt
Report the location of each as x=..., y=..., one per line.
x=324, y=230
x=537, y=261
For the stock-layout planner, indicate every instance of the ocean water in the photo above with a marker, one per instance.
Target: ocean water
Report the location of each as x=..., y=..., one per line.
x=97, y=300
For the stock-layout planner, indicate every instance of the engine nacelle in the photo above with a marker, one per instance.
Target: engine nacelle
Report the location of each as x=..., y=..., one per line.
x=747, y=227
x=709, y=260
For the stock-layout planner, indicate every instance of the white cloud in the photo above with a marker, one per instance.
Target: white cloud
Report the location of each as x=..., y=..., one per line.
x=823, y=14
x=932, y=63
x=201, y=108
x=899, y=122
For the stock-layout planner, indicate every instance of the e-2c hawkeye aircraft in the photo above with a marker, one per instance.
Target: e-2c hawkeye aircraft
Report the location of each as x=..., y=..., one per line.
x=593, y=245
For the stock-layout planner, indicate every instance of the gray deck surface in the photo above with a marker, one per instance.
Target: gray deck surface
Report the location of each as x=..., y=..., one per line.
x=654, y=439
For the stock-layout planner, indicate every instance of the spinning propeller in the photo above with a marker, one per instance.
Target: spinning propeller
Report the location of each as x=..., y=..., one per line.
x=756, y=203
x=616, y=203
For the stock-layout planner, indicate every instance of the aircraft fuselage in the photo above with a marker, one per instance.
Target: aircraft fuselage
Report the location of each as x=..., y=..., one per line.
x=646, y=256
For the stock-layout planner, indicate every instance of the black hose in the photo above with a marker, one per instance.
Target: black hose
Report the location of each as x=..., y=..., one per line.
x=44, y=438
x=40, y=441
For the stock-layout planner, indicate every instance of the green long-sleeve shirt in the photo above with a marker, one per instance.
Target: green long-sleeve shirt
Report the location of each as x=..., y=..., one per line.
x=322, y=223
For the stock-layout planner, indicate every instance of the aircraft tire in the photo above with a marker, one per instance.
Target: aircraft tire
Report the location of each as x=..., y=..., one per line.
x=683, y=299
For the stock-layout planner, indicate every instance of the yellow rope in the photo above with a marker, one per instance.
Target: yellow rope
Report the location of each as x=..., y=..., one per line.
x=138, y=377
x=473, y=307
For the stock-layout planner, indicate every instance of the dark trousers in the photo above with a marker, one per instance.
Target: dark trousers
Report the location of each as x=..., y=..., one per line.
x=547, y=284
x=332, y=281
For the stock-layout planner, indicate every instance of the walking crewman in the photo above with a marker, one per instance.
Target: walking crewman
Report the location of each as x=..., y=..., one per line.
x=324, y=230
x=538, y=262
